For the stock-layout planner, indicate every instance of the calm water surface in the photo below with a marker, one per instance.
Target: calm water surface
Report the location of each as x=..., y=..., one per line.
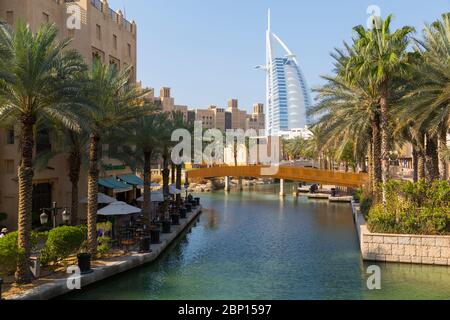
x=252, y=245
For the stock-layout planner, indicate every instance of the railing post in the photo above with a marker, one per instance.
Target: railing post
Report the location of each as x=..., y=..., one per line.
x=282, y=194
x=227, y=184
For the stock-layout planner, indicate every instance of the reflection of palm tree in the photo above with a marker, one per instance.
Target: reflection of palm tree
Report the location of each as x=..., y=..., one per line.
x=38, y=80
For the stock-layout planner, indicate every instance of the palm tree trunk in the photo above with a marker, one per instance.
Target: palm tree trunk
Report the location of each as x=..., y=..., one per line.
x=166, y=173
x=385, y=136
x=179, y=167
x=421, y=160
x=443, y=150
x=93, y=193
x=371, y=167
x=415, y=155
x=173, y=172
x=25, y=175
x=432, y=158
x=147, y=184
x=74, y=177
x=376, y=156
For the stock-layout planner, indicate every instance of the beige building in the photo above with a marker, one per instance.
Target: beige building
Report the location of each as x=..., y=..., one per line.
x=104, y=34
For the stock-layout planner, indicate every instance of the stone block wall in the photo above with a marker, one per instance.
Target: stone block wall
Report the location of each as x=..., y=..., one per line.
x=417, y=249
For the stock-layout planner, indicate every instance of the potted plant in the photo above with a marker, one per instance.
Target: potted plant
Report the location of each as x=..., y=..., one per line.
x=175, y=219
x=84, y=260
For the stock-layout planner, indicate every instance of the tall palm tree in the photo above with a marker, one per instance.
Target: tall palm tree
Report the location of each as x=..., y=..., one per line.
x=142, y=137
x=430, y=99
x=382, y=58
x=348, y=113
x=38, y=80
x=72, y=144
x=113, y=100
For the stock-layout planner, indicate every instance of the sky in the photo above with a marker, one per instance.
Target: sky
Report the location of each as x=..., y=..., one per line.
x=206, y=50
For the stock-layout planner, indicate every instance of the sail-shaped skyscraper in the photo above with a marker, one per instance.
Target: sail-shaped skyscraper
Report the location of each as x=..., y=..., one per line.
x=287, y=93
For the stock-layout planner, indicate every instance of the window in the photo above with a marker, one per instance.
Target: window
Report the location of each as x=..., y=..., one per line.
x=10, y=17
x=99, y=32
x=45, y=17
x=129, y=50
x=9, y=166
x=10, y=136
x=115, y=41
x=43, y=143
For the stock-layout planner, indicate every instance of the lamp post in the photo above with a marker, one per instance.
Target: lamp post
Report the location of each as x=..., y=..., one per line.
x=65, y=214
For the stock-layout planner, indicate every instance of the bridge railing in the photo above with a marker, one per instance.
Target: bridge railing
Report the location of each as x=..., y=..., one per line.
x=288, y=173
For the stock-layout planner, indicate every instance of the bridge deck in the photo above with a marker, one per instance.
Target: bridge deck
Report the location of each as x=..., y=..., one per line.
x=288, y=173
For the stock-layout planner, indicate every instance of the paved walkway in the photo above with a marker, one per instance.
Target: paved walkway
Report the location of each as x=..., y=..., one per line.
x=56, y=285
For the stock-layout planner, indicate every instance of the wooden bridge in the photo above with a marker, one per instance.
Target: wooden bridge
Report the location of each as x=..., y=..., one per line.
x=335, y=178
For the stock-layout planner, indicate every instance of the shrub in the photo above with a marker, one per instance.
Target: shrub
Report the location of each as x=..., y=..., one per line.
x=413, y=208
x=63, y=242
x=10, y=253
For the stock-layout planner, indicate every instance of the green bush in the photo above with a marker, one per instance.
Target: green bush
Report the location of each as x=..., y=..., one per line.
x=10, y=253
x=413, y=208
x=63, y=242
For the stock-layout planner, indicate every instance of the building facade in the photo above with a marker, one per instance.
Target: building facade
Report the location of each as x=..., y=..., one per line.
x=104, y=34
x=287, y=93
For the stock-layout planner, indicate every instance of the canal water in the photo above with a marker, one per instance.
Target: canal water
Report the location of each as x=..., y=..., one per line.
x=252, y=245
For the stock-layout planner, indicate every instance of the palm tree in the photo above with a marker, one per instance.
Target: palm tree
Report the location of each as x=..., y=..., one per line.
x=349, y=114
x=382, y=58
x=37, y=81
x=142, y=137
x=430, y=99
x=72, y=144
x=113, y=100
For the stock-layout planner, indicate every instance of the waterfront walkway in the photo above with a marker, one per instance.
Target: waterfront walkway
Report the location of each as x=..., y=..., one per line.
x=56, y=285
x=336, y=178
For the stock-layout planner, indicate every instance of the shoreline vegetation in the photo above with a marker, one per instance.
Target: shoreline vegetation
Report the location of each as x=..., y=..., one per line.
x=388, y=91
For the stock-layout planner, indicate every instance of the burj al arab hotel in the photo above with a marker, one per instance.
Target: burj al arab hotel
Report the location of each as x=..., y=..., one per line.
x=287, y=93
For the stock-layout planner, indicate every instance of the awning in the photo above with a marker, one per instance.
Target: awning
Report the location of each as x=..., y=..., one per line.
x=114, y=184
x=118, y=209
x=132, y=180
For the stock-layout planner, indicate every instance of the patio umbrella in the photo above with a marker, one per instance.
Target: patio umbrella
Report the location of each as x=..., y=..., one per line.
x=174, y=191
x=157, y=196
x=118, y=209
x=102, y=199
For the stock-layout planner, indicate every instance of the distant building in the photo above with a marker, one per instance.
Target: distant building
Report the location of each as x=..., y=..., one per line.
x=287, y=93
x=302, y=133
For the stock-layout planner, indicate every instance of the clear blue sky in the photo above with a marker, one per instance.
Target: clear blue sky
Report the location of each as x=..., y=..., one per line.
x=205, y=50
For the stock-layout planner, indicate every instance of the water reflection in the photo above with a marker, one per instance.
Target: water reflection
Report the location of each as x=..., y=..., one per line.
x=253, y=245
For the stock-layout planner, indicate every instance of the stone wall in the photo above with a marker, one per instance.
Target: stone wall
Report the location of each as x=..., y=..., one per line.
x=418, y=249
